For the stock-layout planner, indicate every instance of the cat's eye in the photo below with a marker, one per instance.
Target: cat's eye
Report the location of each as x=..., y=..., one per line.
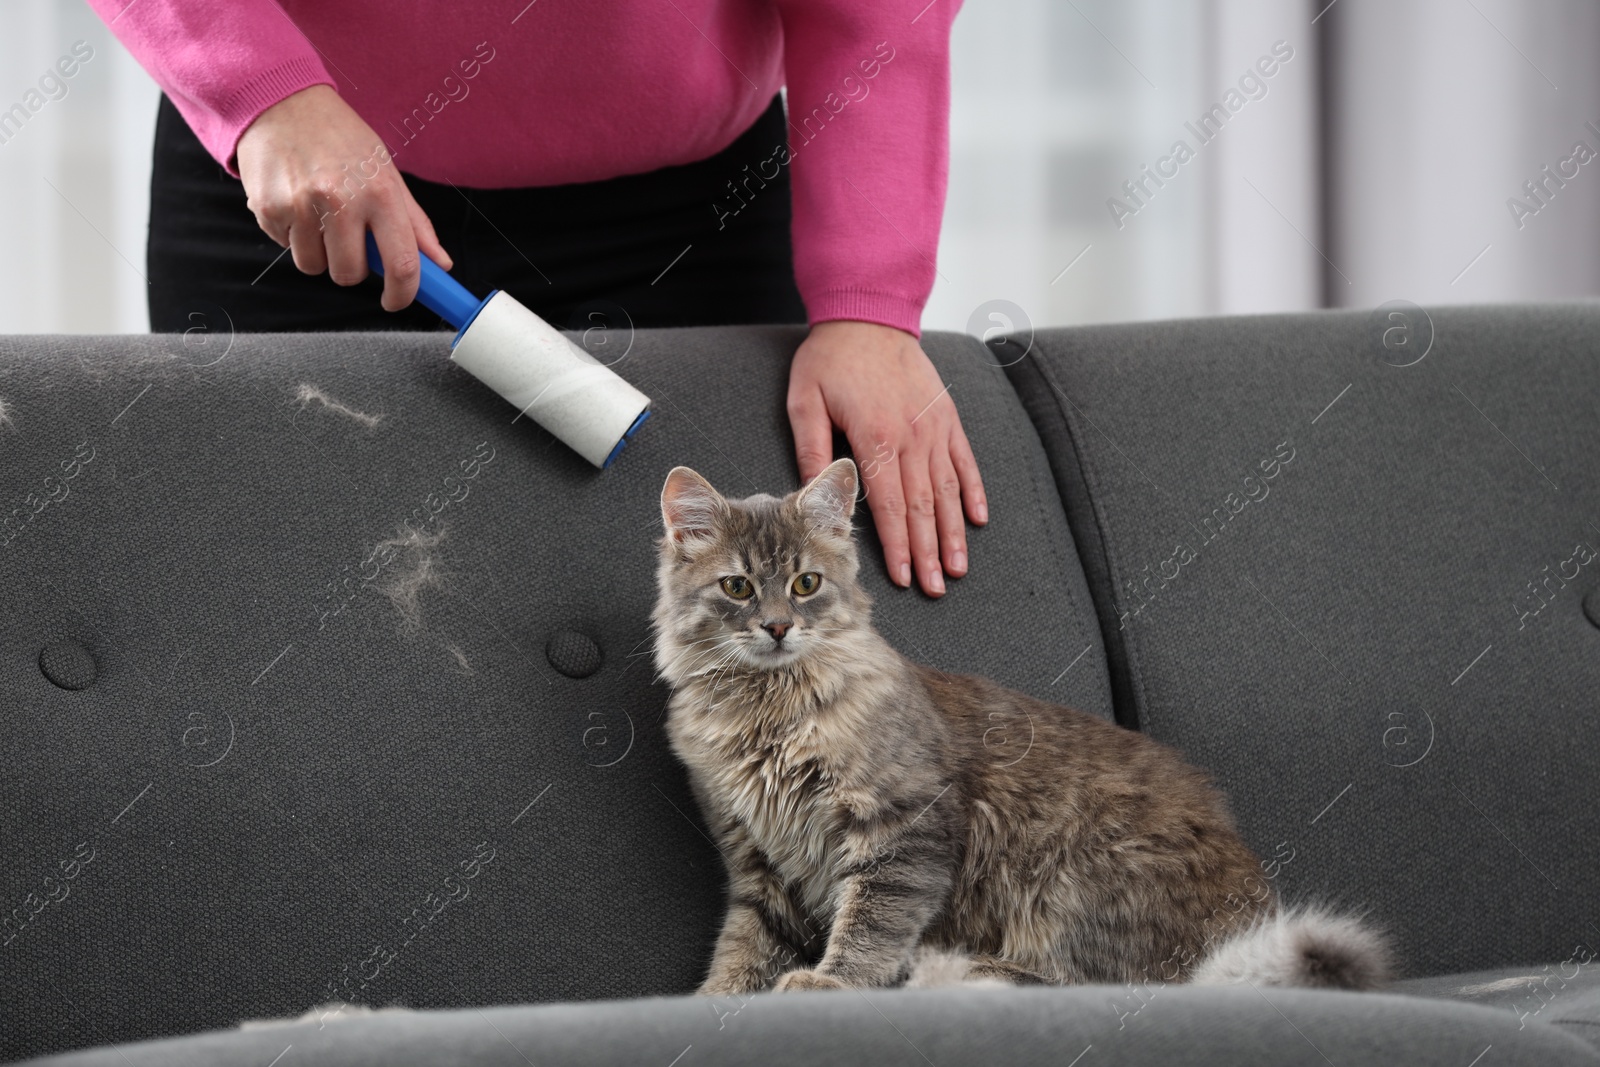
x=737, y=586
x=807, y=583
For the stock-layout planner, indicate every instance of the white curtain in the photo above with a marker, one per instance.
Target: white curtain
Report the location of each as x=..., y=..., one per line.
x=1442, y=110
x=74, y=176
x=1058, y=103
x=1386, y=175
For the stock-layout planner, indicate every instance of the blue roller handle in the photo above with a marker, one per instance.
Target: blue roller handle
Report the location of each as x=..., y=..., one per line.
x=448, y=298
x=451, y=301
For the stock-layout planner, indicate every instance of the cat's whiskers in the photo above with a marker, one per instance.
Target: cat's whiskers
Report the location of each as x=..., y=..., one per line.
x=728, y=655
x=721, y=648
x=688, y=646
x=718, y=673
x=693, y=667
x=688, y=649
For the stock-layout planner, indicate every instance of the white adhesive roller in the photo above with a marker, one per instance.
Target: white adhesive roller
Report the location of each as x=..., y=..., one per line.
x=550, y=379
x=533, y=365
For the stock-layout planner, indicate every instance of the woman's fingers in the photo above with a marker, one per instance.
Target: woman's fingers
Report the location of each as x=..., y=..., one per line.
x=305, y=242
x=427, y=239
x=923, y=534
x=947, y=511
x=966, y=465
x=812, y=426
x=397, y=245
x=881, y=475
x=344, y=237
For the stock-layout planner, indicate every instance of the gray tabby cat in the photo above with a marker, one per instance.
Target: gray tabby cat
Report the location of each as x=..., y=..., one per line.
x=875, y=832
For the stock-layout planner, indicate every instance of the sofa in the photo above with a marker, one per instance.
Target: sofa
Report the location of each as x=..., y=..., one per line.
x=325, y=679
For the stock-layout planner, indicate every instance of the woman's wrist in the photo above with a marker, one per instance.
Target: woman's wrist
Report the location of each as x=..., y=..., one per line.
x=846, y=329
x=865, y=305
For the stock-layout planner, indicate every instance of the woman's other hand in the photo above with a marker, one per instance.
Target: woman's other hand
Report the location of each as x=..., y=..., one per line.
x=921, y=479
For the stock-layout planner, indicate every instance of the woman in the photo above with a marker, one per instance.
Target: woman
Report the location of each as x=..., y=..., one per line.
x=582, y=157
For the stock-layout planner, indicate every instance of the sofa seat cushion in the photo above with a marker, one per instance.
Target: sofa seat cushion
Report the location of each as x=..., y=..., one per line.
x=1565, y=994
x=1098, y=1025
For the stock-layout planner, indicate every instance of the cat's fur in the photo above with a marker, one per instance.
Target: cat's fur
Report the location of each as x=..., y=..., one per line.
x=885, y=822
x=322, y=1014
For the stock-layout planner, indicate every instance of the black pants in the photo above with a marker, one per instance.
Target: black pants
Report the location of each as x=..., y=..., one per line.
x=653, y=244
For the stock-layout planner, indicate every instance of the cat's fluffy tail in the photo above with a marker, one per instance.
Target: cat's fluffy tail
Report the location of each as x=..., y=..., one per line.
x=1312, y=947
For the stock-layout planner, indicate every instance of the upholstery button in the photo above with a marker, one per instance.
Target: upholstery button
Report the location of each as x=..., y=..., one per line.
x=67, y=664
x=573, y=654
x=1591, y=605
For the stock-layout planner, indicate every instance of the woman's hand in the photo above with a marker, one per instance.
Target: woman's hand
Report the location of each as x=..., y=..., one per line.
x=318, y=178
x=876, y=383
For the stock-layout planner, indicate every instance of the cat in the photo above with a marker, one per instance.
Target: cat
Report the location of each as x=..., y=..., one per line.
x=877, y=830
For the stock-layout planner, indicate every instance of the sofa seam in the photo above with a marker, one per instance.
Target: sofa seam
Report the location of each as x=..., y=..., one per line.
x=1092, y=482
x=1056, y=550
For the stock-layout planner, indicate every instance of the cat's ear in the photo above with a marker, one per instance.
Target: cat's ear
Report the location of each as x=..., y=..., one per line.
x=690, y=508
x=829, y=499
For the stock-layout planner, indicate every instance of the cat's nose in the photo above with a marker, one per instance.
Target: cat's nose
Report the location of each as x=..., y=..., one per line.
x=776, y=629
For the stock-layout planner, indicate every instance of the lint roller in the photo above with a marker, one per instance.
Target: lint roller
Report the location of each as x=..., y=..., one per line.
x=533, y=365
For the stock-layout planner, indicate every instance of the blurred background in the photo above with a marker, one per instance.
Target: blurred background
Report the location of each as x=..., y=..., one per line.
x=1382, y=159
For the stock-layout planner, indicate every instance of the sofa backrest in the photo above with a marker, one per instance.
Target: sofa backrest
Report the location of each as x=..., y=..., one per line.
x=323, y=676
x=1348, y=562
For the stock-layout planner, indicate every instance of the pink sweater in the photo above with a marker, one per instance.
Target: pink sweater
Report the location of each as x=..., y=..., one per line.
x=504, y=93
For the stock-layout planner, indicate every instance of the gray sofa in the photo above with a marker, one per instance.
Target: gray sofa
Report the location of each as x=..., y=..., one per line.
x=322, y=678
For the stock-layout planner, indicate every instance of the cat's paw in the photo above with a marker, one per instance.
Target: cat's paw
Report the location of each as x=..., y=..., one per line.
x=806, y=979
x=711, y=988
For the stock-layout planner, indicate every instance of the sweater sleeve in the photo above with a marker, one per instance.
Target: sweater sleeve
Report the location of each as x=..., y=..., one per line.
x=869, y=103
x=222, y=62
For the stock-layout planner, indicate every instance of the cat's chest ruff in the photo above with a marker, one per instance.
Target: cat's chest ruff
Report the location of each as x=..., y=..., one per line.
x=785, y=794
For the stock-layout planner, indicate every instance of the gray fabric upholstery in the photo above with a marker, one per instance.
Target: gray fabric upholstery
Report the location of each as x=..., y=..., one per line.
x=1579, y=1015
x=1349, y=654
x=1240, y=1027
x=1565, y=993
x=280, y=803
